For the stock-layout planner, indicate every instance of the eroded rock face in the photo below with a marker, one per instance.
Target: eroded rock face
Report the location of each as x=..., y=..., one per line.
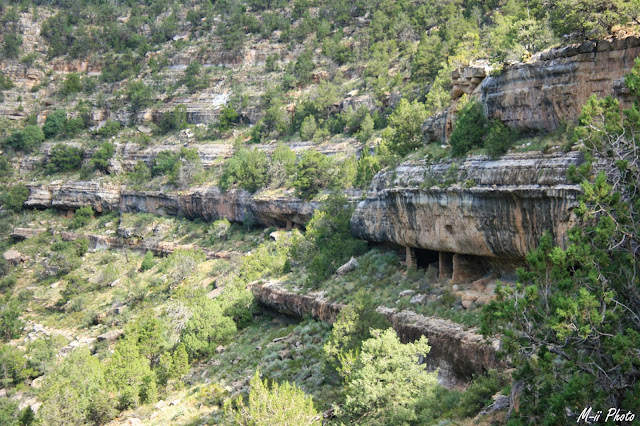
x=211, y=154
x=501, y=211
x=546, y=91
x=72, y=196
x=458, y=351
x=208, y=203
x=542, y=94
x=158, y=248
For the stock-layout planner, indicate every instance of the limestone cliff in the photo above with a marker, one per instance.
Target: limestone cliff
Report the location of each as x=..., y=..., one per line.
x=546, y=91
x=208, y=203
x=500, y=211
x=127, y=155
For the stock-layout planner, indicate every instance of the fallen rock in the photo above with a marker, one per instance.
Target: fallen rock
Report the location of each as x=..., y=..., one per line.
x=284, y=354
x=406, y=293
x=14, y=257
x=110, y=336
x=418, y=299
x=37, y=382
x=220, y=349
x=500, y=403
x=467, y=300
x=351, y=265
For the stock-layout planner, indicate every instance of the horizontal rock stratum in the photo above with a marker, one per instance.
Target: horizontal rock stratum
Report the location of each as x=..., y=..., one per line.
x=208, y=203
x=545, y=92
x=495, y=208
x=458, y=351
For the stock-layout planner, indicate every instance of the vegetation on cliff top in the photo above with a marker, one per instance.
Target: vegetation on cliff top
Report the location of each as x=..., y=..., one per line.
x=94, y=335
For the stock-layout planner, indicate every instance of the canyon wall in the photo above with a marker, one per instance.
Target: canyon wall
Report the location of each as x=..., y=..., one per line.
x=208, y=203
x=480, y=207
x=548, y=90
x=127, y=155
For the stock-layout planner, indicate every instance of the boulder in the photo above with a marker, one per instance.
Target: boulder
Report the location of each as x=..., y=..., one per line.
x=110, y=336
x=14, y=257
x=351, y=265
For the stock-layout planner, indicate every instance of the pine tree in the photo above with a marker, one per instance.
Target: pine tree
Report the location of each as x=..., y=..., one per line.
x=180, y=361
x=282, y=404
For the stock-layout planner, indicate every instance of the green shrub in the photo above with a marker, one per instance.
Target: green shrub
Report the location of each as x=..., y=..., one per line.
x=405, y=127
x=282, y=404
x=128, y=374
x=73, y=126
x=166, y=163
x=469, y=130
x=141, y=173
x=386, y=381
x=353, y=326
x=308, y=128
x=71, y=84
x=282, y=167
x=64, y=158
x=10, y=322
x=207, y=328
x=193, y=78
x=478, y=394
x=75, y=392
x=312, y=174
x=329, y=239
x=13, y=366
x=9, y=412
x=54, y=124
x=219, y=230
x=5, y=167
x=15, y=197
x=100, y=158
x=82, y=217
x=108, y=130
x=366, y=128
x=5, y=82
x=139, y=95
x=499, y=139
x=11, y=44
x=247, y=169
x=180, y=264
x=148, y=262
x=228, y=117
x=27, y=140
x=173, y=121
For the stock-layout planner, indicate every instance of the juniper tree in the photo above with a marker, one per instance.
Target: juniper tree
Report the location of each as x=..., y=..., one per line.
x=572, y=323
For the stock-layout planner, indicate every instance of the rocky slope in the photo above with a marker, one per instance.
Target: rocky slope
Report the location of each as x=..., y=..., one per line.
x=104, y=242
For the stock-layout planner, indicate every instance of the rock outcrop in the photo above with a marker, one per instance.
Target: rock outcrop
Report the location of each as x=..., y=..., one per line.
x=500, y=210
x=208, y=203
x=546, y=91
x=457, y=351
x=295, y=304
x=158, y=248
x=211, y=154
x=74, y=195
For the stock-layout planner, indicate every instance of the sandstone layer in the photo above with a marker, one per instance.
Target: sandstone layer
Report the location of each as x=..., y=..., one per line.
x=500, y=210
